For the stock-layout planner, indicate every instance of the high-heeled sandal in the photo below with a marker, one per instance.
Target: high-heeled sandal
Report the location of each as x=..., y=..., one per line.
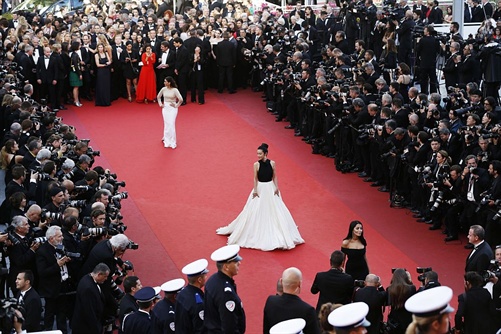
x=145, y=101
x=129, y=98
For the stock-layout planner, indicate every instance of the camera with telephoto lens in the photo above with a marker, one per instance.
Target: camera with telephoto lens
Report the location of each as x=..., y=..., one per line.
x=358, y=283
x=132, y=245
x=8, y=308
x=494, y=270
x=78, y=203
x=82, y=188
x=116, y=199
x=90, y=152
x=422, y=271
x=95, y=231
x=49, y=215
x=63, y=252
x=438, y=201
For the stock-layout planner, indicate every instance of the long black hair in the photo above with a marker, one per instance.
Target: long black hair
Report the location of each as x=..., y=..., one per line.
x=263, y=147
x=350, y=232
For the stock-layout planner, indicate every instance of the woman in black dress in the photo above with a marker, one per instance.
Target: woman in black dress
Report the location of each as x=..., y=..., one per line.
x=197, y=62
x=130, y=59
x=103, y=77
x=400, y=289
x=354, y=247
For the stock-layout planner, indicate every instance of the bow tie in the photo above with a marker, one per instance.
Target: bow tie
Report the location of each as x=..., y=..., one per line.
x=47, y=57
x=15, y=21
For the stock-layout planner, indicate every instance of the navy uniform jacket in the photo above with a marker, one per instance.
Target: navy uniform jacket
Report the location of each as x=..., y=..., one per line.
x=139, y=322
x=164, y=312
x=190, y=311
x=224, y=311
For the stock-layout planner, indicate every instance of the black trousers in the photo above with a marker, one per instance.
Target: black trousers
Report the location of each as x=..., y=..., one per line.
x=225, y=72
x=182, y=83
x=428, y=76
x=197, y=84
x=57, y=308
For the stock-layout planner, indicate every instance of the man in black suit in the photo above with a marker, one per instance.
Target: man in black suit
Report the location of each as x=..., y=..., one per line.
x=18, y=183
x=451, y=66
x=47, y=74
x=479, y=258
x=487, y=9
x=469, y=68
x=374, y=296
x=427, y=50
x=226, y=60
x=404, y=32
x=21, y=254
x=166, y=59
x=335, y=286
x=55, y=280
x=192, y=42
x=289, y=305
x=89, y=306
x=477, y=14
x=128, y=303
x=30, y=301
x=436, y=16
x=182, y=67
x=29, y=66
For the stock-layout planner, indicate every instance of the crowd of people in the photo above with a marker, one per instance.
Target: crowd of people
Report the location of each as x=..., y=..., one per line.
x=358, y=83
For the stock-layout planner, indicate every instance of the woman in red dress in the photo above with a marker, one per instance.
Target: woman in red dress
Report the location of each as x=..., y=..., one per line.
x=146, y=87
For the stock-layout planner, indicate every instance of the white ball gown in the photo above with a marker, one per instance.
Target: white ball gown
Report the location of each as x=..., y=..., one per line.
x=265, y=223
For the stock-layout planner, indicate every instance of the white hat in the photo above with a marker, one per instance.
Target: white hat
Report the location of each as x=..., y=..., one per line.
x=430, y=302
x=292, y=326
x=226, y=254
x=173, y=285
x=198, y=267
x=157, y=291
x=350, y=316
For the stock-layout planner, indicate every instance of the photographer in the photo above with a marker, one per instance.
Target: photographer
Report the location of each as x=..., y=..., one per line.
x=453, y=202
x=430, y=281
x=404, y=33
x=492, y=200
x=374, y=295
x=495, y=276
x=490, y=60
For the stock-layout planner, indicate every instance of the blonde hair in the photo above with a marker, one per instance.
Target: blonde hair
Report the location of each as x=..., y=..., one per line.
x=423, y=324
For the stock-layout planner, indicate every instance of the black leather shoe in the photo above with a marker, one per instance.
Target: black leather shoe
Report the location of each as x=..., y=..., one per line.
x=369, y=179
x=415, y=211
x=330, y=155
x=289, y=127
x=434, y=227
x=429, y=222
x=233, y=92
x=298, y=134
x=384, y=189
x=306, y=138
x=468, y=246
x=377, y=184
x=278, y=120
x=362, y=174
x=417, y=215
x=421, y=220
x=61, y=107
x=450, y=238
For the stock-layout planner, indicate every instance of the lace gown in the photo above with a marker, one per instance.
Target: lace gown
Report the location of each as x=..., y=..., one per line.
x=265, y=223
x=169, y=113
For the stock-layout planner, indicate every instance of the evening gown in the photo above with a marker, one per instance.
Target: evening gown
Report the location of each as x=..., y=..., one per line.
x=147, y=85
x=356, y=266
x=265, y=223
x=103, y=84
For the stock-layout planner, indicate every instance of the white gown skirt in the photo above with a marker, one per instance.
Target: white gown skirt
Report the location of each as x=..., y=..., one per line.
x=169, y=114
x=265, y=223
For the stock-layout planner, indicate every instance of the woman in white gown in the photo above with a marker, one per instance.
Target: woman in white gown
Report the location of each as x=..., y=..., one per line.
x=172, y=99
x=265, y=222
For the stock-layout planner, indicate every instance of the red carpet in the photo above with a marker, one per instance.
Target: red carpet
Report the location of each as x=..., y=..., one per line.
x=179, y=197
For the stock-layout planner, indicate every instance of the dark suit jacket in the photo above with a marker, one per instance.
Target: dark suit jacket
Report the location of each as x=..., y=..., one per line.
x=436, y=16
x=29, y=67
x=476, y=312
x=49, y=285
x=33, y=307
x=50, y=73
x=13, y=187
x=335, y=287
x=285, y=307
x=171, y=61
x=226, y=53
x=469, y=69
x=427, y=50
x=21, y=258
x=480, y=260
x=182, y=60
x=191, y=43
x=89, y=306
x=477, y=14
x=376, y=300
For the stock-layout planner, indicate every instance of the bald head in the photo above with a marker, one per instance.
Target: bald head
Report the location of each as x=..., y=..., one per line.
x=291, y=280
x=372, y=280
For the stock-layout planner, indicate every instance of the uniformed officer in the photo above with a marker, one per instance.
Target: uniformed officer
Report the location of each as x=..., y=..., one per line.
x=165, y=310
x=190, y=300
x=350, y=318
x=223, y=308
x=430, y=310
x=141, y=322
x=291, y=326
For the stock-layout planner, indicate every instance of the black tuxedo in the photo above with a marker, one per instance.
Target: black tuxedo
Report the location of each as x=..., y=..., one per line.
x=476, y=312
x=436, y=16
x=404, y=32
x=47, y=75
x=451, y=71
x=89, y=307
x=226, y=60
x=13, y=187
x=165, y=72
x=21, y=258
x=376, y=300
x=488, y=10
x=469, y=70
x=191, y=43
x=287, y=306
x=335, y=287
x=127, y=305
x=33, y=310
x=480, y=259
x=477, y=14
x=183, y=69
x=29, y=68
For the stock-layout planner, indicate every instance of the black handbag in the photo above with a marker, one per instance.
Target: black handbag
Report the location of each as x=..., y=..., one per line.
x=388, y=327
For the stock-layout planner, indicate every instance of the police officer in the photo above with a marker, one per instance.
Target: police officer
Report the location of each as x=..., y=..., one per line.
x=292, y=326
x=430, y=310
x=190, y=300
x=350, y=318
x=224, y=312
x=141, y=321
x=165, y=310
